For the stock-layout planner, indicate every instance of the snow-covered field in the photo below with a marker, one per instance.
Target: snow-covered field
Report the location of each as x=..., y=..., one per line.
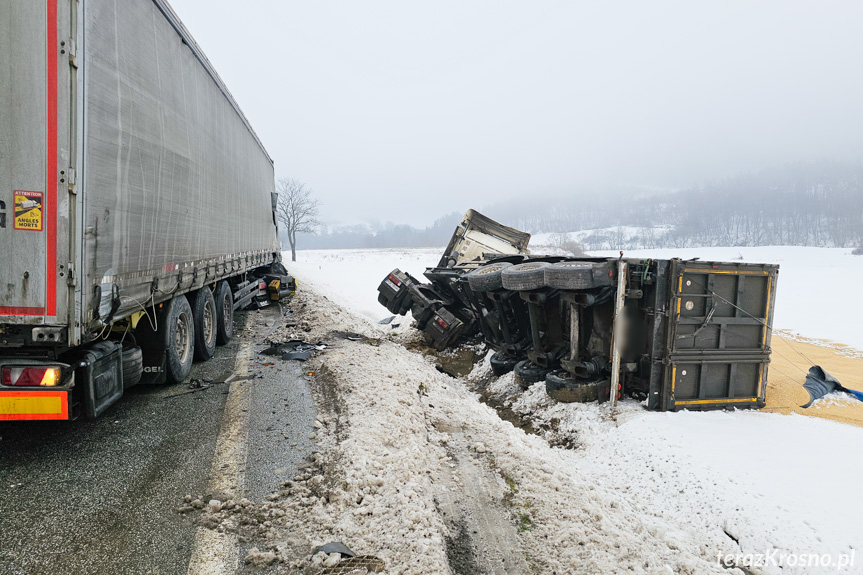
x=661, y=485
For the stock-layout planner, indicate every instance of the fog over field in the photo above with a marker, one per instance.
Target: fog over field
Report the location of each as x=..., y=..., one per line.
x=405, y=112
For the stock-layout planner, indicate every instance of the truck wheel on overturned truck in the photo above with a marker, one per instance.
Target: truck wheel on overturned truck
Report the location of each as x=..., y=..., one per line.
x=180, y=349
x=502, y=364
x=524, y=277
x=529, y=372
x=204, y=314
x=565, y=388
x=570, y=275
x=224, y=301
x=487, y=277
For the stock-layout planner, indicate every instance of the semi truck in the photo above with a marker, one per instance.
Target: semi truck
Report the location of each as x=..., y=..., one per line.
x=137, y=205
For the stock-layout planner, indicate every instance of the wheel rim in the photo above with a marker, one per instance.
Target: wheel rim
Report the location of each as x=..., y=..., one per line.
x=209, y=324
x=227, y=312
x=183, y=343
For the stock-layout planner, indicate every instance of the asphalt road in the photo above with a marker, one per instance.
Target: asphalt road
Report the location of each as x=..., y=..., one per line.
x=100, y=497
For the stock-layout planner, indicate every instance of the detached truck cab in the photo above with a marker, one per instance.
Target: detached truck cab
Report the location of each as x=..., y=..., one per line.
x=136, y=205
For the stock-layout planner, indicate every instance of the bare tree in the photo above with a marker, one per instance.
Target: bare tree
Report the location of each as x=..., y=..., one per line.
x=297, y=210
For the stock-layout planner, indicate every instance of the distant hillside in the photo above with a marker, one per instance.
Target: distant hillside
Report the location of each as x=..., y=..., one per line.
x=800, y=204
x=805, y=204
x=388, y=235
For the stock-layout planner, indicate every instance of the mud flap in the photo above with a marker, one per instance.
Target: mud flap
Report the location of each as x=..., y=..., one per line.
x=100, y=373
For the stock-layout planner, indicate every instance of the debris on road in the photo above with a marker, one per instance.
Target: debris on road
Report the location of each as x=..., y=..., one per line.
x=294, y=349
x=335, y=547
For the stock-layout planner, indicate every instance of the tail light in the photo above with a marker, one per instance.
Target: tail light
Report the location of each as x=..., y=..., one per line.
x=394, y=279
x=41, y=376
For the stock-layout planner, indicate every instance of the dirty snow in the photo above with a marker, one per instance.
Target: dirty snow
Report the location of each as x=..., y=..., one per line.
x=388, y=454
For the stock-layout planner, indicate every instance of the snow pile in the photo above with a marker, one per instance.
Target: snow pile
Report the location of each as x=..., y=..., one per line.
x=760, y=481
x=382, y=439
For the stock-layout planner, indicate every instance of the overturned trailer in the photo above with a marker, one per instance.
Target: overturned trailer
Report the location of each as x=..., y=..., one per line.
x=682, y=334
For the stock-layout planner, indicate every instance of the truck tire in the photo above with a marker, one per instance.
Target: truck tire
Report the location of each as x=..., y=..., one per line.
x=133, y=364
x=529, y=372
x=569, y=275
x=563, y=387
x=180, y=350
x=524, y=277
x=224, y=301
x=487, y=278
x=502, y=364
x=204, y=311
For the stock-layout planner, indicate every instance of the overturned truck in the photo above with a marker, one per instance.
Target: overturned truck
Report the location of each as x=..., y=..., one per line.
x=682, y=334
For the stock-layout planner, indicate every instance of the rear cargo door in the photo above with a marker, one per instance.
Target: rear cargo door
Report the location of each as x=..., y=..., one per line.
x=34, y=158
x=719, y=337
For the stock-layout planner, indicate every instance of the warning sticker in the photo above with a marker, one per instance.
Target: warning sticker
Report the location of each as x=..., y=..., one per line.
x=28, y=211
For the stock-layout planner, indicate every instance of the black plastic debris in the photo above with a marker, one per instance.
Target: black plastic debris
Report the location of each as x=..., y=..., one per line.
x=820, y=383
x=335, y=547
x=295, y=349
x=387, y=320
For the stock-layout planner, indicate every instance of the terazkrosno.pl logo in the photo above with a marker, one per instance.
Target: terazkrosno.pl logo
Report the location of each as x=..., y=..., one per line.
x=776, y=558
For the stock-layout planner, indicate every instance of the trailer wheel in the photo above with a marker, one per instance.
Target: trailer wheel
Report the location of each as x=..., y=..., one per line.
x=204, y=313
x=487, y=278
x=133, y=364
x=224, y=301
x=502, y=364
x=565, y=388
x=569, y=275
x=181, y=339
x=529, y=372
x=524, y=277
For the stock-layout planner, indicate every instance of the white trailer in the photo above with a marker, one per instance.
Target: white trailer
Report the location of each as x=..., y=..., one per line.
x=136, y=203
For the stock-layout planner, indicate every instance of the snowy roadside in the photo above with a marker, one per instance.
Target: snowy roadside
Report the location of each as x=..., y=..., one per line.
x=400, y=443
x=768, y=482
x=641, y=490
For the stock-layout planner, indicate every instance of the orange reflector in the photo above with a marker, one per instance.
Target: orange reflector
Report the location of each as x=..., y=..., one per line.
x=33, y=405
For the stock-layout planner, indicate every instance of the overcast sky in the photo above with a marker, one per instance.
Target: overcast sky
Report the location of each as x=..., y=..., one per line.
x=406, y=110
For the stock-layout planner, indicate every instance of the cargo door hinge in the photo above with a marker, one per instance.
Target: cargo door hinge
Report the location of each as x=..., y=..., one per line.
x=71, y=281
x=72, y=179
x=72, y=50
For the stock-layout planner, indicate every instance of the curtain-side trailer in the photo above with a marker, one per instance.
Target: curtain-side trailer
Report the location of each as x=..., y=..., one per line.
x=136, y=204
